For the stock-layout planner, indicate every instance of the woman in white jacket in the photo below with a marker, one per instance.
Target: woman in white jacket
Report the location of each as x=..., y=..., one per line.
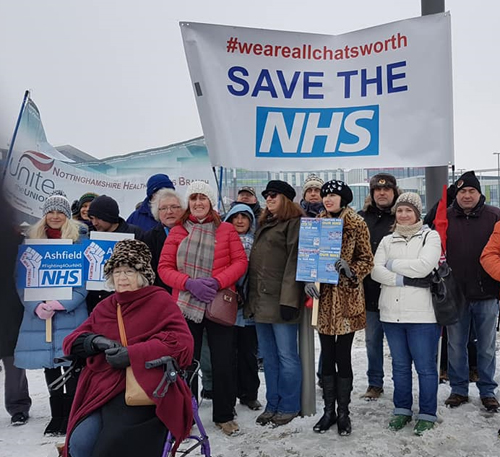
x=403, y=263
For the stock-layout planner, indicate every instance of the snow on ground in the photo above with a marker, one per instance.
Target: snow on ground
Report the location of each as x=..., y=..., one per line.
x=468, y=431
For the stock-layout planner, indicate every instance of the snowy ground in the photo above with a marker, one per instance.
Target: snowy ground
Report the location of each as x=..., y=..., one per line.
x=464, y=432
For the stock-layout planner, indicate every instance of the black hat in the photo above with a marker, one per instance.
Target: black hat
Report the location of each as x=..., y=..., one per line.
x=105, y=208
x=338, y=188
x=281, y=187
x=468, y=179
x=381, y=181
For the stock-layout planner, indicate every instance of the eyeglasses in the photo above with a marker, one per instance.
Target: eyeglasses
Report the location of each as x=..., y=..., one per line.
x=270, y=194
x=169, y=208
x=128, y=273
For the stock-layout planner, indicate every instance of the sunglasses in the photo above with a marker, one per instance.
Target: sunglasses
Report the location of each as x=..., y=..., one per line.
x=271, y=194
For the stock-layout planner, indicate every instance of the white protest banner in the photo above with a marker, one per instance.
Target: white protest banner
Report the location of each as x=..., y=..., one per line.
x=278, y=101
x=35, y=169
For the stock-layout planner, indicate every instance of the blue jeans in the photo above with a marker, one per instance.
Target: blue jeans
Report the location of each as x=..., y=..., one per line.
x=282, y=367
x=84, y=436
x=417, y=343
x=374, y=340
x=484, y=314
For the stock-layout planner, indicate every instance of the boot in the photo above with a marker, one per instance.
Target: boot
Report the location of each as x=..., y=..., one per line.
x=67, y=402
x=329, y=395
x=344, y=388
x=56, y=412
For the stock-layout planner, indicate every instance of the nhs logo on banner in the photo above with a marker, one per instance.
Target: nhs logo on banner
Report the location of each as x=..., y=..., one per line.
x=317, y=132
x=49, y=266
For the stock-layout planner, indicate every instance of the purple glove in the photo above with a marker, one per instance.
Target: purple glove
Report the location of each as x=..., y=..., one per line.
x=200, y=290
x=211, y=282
x=44, y=311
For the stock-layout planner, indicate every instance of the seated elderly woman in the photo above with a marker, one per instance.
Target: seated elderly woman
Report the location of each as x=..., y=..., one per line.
x=101, y=424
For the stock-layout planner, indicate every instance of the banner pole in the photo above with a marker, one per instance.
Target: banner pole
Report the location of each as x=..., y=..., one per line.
x=12, y=141
x=48, y=330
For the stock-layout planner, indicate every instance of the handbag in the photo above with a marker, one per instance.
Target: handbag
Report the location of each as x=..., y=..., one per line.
x=223, y=308
x=134, y=393
x=447, y=297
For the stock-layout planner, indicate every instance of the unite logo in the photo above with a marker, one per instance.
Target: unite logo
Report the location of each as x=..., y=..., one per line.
x=317, y=132
x=39, y=160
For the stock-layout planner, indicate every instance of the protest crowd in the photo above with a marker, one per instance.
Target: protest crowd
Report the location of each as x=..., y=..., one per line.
x=177, y=258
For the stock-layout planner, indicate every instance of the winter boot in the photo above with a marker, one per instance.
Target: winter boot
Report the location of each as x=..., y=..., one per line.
x=67, y=402
x=329, y=395
x=56, y=411
x=344, y=388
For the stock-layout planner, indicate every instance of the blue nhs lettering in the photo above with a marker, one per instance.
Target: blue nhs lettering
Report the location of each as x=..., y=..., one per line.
x=317, y=132
x=60, y=278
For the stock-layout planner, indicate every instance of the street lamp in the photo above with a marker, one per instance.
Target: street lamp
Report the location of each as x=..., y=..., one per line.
x=498, y=176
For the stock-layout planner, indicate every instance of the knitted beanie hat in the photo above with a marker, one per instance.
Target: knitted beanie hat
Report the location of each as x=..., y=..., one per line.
x=337, y=187
x=412, y=200
x=280, y=187
x=105, y=208
x=133, y=253
x=201, y=187
x=88, y=197
x=157, y=182
x=312, y=182
x=57, y=201
x=468, y=179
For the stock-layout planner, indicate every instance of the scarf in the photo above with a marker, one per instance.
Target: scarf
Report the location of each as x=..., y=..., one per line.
x=195, y=257
x=407, y=231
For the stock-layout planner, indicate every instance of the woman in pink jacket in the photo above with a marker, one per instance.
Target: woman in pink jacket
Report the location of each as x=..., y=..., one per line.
x=200, y=256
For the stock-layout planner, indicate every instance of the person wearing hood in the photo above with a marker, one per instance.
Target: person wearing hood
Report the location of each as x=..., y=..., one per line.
x=245, y=335
x=311, y=202
x=470, y=225
x=248, y=196
x=82, y=209
x=142, y=216
x=379, y=218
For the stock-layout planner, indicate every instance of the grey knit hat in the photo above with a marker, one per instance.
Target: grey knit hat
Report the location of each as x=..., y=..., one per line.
x=201, y=187
x=57, y=201
x=133, y=253
x=312, y=181
x=412, y=200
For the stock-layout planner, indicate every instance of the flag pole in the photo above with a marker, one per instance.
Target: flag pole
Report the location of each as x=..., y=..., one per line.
x=11, y=145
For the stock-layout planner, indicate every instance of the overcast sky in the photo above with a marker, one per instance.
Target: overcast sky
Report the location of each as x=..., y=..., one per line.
x=110, y=77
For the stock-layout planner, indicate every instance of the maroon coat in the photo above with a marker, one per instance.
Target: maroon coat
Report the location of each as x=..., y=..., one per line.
x=230, y=260
x=155, y=327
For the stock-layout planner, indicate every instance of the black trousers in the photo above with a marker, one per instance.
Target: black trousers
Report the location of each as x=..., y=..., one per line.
x=69, y=388
x=246, y=368
x=336, y=353
x=220, y=342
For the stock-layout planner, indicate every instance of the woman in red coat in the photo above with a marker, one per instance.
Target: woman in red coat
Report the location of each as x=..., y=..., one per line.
x=202, y=255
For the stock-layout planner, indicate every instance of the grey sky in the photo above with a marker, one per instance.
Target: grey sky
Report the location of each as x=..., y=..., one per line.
x=110, y=77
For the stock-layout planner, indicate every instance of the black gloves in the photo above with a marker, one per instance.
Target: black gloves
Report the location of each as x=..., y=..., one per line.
x=117, y=357
x=342, y=267
x=311, y=290
x=101, y=343
x=423, y=283
x=288, y=313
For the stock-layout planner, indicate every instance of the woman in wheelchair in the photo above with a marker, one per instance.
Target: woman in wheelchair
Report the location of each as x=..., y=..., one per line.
x=137, y=324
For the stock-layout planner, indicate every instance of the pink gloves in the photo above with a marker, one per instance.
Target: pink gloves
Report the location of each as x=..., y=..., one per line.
x=45, y=310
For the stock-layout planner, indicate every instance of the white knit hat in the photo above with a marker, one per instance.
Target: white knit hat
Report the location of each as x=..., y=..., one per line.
x=312, y=181
x=201, y=187
x=412, y=200
x=57, y=201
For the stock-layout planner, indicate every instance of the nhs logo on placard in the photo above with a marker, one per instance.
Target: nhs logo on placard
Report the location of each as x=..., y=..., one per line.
x=60, y=278
x=317, y=132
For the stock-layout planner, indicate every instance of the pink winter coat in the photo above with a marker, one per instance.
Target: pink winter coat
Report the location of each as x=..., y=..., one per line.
x=230, y=260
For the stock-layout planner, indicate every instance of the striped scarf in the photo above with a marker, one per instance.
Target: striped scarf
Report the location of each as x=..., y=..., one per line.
x=195, y=257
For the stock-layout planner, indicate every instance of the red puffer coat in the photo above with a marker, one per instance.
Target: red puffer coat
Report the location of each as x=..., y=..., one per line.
x=230, y=260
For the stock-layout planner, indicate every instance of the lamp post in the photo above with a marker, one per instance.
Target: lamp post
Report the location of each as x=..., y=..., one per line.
x=498, y=176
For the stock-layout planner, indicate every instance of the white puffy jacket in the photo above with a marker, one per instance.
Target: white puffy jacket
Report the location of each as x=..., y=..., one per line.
x=412, y=258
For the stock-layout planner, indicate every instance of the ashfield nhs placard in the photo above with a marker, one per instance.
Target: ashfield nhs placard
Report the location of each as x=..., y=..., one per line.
x=378, y=97
x=320, y=132
x=41, y=266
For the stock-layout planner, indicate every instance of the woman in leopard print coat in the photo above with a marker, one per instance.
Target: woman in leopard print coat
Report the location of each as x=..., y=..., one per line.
x=342, y=307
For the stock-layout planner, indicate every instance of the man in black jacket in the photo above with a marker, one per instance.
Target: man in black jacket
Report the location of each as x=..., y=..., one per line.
x=379, y=218
x=470, y=224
